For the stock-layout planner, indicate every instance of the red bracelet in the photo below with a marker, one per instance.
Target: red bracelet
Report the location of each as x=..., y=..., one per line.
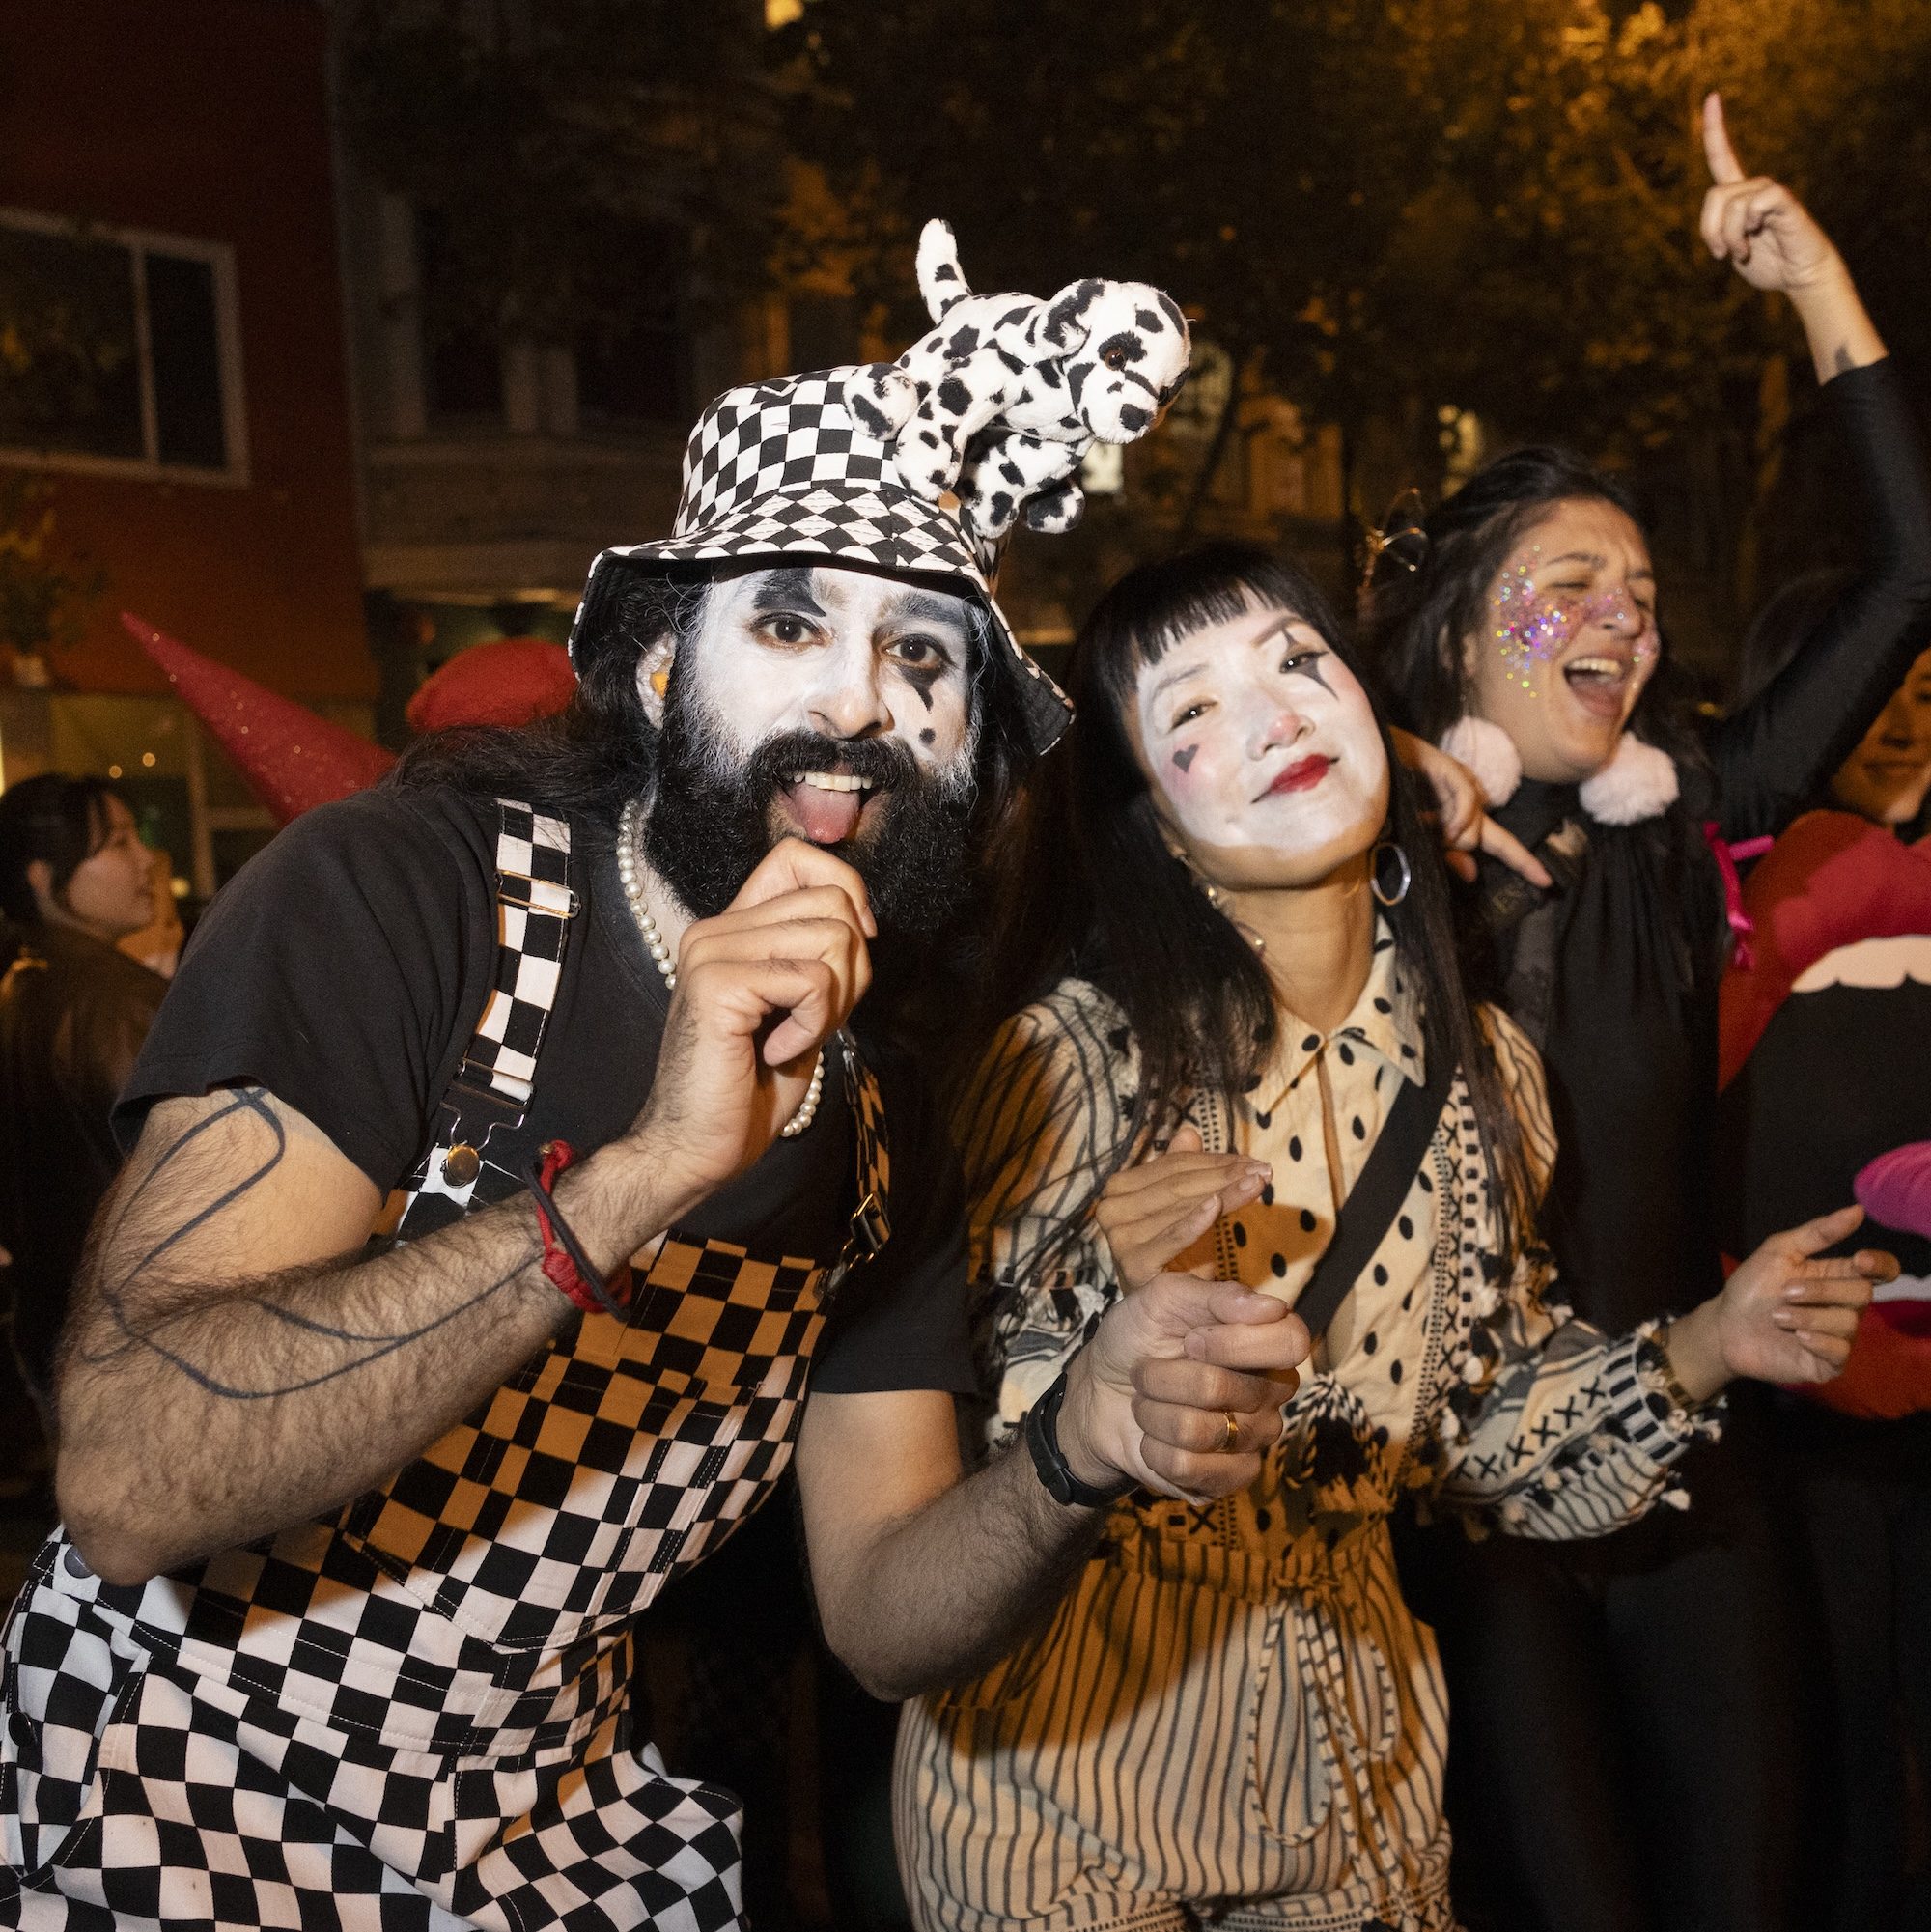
x=565, y=1264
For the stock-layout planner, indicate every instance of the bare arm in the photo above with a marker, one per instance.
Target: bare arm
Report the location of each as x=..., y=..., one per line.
x=923, y=1580
x=233, y=1365
x=236, y=1363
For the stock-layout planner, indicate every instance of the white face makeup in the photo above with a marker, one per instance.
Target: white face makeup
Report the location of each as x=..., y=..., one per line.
x=1568, y=640
x=1263, y=752
x=844, y=655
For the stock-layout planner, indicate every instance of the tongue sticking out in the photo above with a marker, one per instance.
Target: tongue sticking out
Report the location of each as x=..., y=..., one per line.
x=825, y=818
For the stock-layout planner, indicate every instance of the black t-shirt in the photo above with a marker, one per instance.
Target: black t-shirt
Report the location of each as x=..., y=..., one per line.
x=345, y=967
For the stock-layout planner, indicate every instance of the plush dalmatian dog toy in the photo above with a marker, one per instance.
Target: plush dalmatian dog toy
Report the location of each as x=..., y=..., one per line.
x=1001, y=400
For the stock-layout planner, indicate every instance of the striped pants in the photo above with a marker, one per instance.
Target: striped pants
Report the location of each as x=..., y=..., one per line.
x=1199, y=1736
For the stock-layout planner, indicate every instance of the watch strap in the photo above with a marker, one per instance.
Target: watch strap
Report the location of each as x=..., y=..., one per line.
x=1041, y=1438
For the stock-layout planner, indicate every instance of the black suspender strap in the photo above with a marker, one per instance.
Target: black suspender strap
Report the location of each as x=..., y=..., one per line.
x=1377, y=1195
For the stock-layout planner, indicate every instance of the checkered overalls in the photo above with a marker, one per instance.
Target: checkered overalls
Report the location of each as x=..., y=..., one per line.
x=414, y=1713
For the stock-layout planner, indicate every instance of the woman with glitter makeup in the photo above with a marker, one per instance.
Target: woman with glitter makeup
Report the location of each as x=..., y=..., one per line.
x=1249, y=1056
x=1623, y=1710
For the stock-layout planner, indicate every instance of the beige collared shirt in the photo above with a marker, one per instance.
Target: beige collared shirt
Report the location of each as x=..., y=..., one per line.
x=1352, y=1076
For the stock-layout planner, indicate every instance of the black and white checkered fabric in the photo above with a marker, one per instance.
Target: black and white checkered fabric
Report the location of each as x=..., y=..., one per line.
x=535, y=903
x=781, y=469
x=414, y=1714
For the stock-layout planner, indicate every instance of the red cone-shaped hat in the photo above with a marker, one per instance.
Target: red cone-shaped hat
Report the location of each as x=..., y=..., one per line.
x=290, y=758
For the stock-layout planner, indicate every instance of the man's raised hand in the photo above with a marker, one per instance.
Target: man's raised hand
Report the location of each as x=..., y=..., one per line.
x=760, y=989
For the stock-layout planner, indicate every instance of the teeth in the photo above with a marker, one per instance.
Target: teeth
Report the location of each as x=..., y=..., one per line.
x=833, y=781
x=1610, y=667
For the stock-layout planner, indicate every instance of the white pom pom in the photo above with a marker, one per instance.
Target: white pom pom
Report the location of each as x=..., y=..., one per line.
x=1489, y=752
x=1640, y=782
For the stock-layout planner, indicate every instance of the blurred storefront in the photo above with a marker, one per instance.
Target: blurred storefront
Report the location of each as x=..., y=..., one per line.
x=173, y=379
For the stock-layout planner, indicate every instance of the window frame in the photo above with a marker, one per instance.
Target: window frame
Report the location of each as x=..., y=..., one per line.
x=139, y=243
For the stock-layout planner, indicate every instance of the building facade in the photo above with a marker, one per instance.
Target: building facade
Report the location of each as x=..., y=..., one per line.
x=173, y=391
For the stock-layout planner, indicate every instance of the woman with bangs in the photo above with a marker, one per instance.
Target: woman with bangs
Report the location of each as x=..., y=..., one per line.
x=1248, y=1055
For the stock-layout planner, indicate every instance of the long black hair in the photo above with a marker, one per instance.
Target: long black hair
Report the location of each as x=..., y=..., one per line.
x=1419, y=618
x=598, y=753
x=1417, y=624
x=1095, y=890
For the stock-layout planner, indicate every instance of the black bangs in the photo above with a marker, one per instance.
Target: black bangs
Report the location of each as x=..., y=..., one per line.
x=1152, y=608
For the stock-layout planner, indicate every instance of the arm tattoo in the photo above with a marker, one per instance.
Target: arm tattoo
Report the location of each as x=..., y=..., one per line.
x=140, y=1337
x=145, y=1331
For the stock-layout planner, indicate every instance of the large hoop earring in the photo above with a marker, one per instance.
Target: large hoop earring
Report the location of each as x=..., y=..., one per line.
x=1407, y=879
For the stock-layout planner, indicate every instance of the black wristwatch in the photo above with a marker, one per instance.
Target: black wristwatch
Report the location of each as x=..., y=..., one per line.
x=1041, y=1436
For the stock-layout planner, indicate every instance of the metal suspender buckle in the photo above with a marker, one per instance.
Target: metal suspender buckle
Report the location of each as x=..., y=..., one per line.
x=870, y=1228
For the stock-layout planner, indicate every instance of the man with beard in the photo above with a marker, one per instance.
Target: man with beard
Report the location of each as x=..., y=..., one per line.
x=504, y=1172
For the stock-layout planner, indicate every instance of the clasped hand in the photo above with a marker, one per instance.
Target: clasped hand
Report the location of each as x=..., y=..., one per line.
x=1183, y=1386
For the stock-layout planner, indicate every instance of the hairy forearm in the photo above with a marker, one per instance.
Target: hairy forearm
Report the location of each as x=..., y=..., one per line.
x=195, y=1415
x=947, y=1591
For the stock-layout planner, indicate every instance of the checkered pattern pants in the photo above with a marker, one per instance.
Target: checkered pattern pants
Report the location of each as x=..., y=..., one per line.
x=414, y=1716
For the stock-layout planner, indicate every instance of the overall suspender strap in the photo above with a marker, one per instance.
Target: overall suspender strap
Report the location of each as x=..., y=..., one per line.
x=871, y=1221
x=535, y=903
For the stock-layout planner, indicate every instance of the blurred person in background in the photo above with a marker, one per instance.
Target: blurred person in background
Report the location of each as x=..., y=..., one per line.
x=74, y=881
x=158, y=945
x=1832, y=994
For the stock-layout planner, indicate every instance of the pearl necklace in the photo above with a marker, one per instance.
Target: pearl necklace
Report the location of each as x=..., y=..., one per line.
x=630, y=840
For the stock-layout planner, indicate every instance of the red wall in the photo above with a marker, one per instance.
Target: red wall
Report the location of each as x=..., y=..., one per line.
x=208, y=119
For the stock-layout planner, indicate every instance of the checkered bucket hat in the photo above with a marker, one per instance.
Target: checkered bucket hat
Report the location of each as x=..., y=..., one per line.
x=780, y=469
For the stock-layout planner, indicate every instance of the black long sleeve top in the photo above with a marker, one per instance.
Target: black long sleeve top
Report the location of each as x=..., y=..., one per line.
x=1629, y=1036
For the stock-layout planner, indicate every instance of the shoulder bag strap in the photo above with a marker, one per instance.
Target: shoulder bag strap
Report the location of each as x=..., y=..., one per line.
x=1377, y=1195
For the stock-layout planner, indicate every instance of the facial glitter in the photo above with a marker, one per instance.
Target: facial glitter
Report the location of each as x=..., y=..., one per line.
x=1531, y=632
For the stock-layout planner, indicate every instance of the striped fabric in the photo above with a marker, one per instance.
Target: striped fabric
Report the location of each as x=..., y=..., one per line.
x=1233, y=1711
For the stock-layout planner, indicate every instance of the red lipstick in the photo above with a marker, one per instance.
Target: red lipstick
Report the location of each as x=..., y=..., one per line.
x=1302, y=775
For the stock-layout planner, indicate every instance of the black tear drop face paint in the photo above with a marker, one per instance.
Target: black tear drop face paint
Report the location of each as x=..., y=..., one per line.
x=1310, y=667
x=923, y=677
x=1184, y=757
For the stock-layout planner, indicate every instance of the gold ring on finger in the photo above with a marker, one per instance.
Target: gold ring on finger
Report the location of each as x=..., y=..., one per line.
x=1233, y=1438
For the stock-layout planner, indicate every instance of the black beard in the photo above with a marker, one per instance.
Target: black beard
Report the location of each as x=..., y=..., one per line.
x=710, y=825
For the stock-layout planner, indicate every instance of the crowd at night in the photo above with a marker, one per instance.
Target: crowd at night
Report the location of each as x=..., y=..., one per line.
x=966, y=967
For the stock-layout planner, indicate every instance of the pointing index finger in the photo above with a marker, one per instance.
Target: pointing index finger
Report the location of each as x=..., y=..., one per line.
x=1724, y=167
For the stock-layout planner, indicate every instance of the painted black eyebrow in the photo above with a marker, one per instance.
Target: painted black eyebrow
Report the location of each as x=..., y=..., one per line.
x=1283, y=621
x=928, y=606
x=787, y=588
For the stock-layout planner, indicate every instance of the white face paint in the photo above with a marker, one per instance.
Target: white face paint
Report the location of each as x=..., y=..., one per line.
x=844, y=655
x=1263, y=752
